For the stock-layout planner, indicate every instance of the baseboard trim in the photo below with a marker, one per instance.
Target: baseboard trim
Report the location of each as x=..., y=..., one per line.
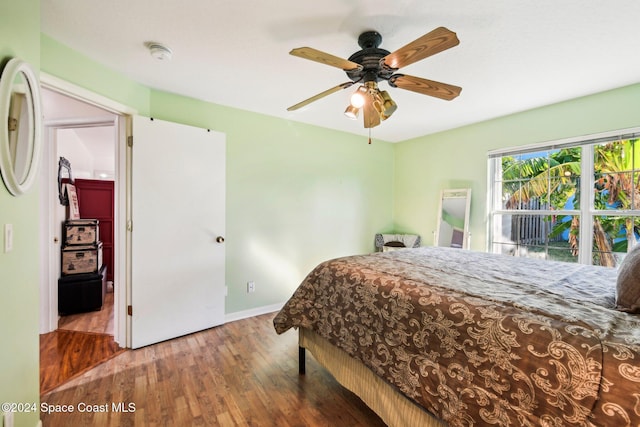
x=239, y=315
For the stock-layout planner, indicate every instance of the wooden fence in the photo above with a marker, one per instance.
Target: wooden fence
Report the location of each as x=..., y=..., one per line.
x=533, y=229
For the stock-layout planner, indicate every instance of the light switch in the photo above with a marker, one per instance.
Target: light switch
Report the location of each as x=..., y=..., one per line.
x=8, y=419
x=8, y=237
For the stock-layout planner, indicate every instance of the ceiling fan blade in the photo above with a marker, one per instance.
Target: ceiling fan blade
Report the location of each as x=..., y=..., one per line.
x=325, y=58
x=320, y=95
x=370, y=114
x=426, y=87
x=431, y=43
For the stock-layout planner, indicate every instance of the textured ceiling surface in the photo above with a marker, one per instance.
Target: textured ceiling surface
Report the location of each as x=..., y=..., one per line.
x=512, y=56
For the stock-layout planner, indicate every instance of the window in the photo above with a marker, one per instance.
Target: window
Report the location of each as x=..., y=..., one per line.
x=573, y=200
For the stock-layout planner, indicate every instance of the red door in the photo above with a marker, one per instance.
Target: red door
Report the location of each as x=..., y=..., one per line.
x=95, y=199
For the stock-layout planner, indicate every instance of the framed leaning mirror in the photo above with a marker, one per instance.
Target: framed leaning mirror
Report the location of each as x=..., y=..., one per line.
x=453, y=219
x=20, y=126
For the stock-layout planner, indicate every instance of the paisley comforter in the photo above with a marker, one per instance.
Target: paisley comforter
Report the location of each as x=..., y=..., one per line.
x=481, y=339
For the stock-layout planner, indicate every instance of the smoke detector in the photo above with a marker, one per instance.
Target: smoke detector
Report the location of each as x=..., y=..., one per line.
x=159, y=51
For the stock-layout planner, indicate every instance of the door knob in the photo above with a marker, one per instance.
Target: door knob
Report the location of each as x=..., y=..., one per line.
x=220, y=239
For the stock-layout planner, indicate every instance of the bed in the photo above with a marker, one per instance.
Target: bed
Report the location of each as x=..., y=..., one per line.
x=440, y=336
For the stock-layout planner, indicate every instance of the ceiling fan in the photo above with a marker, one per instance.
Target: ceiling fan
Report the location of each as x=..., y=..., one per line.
x=372, y=64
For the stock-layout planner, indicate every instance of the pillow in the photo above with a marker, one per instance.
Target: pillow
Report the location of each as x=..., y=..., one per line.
x=628, y=283
x=392, y=246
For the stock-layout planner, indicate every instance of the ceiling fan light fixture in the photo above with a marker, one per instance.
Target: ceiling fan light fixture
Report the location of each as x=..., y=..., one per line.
x=359, y=97
x=383, y=104
x=388, y=105
x=352, y=112
x=377, y=106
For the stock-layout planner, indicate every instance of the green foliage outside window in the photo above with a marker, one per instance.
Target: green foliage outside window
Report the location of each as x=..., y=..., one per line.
x=553, y=178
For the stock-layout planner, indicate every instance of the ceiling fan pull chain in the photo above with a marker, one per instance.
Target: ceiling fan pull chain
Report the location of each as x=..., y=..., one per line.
x=369, y=136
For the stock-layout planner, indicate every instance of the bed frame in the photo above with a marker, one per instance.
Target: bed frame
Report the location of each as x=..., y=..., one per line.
x=390, y=405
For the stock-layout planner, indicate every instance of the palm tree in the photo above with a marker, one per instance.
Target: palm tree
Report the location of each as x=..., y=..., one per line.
x=550, y=179
x=555, y=180
x=616, y=187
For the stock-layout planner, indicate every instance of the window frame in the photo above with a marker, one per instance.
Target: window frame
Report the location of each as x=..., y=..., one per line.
x=586, y=210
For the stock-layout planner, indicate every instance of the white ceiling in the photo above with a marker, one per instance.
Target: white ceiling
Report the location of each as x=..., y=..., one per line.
x=513, y=55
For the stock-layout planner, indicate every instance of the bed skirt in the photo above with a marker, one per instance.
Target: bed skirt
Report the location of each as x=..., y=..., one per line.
x=394, y=409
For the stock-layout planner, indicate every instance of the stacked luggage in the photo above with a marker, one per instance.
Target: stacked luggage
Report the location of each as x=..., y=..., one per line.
x=82, y=286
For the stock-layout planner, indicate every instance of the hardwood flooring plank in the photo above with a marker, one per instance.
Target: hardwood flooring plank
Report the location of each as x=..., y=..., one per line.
x=99, y=321
x=66, y=354
x=238, y=374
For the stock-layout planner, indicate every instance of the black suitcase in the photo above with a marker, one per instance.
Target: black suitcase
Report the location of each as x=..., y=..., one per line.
x=81, y=293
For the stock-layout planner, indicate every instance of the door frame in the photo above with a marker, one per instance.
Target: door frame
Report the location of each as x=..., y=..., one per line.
x=48, y=281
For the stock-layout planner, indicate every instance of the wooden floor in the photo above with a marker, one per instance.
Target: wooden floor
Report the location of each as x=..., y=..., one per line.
x=67, y=354
x=100, y=322
x=238, y=374
x=81, y=342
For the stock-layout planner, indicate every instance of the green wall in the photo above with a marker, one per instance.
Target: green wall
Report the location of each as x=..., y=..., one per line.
x=458, y=158
x=19, y=278
x=296, y=194
x=60, y=61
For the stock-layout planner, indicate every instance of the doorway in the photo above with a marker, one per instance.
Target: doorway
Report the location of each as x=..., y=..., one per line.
x=86, y=136
x=189, y=155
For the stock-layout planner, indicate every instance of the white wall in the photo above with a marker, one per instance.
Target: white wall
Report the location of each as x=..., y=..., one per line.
x=91, y=151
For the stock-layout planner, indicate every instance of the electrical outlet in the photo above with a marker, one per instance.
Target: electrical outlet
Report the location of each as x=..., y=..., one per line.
x=251, y=287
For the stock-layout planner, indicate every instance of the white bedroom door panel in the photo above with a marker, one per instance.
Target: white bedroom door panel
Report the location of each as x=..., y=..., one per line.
x=178, y=217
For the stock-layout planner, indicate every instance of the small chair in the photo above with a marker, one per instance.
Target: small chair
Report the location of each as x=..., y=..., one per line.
x=392, y=242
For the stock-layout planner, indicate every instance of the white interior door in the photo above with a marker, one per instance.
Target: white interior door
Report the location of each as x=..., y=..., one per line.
x=178, y=214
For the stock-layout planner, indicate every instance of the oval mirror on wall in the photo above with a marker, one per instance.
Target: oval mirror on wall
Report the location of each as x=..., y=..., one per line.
x=20, y=123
